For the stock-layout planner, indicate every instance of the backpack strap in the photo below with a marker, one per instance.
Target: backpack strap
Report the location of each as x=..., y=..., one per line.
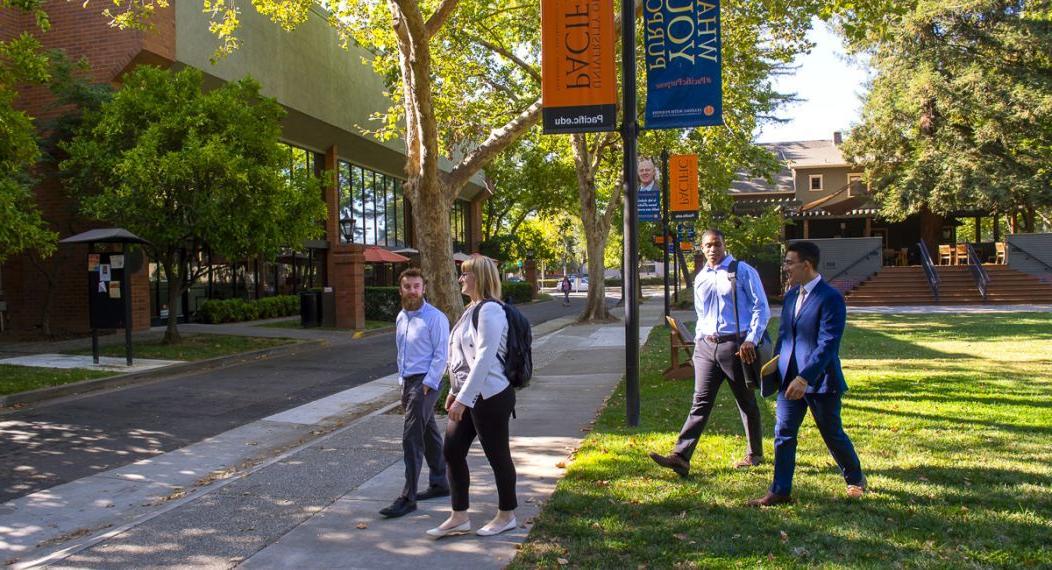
x=477, y=309
x=732, y=276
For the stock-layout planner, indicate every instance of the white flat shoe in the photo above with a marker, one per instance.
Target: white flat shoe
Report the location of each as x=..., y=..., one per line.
x=439, y=532
x=488, y=531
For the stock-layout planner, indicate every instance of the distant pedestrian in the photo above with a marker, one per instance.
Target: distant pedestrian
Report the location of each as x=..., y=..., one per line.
x=813, y=319
x=422, y=338
x=565, y=287
x=721, y=345
x=481, y=399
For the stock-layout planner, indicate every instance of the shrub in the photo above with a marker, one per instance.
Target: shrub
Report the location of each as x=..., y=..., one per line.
x=382, y=303
x=215, y=311
x=517, y=291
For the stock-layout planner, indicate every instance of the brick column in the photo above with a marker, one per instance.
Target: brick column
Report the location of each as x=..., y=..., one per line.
x=348, y=283
x=530, y=267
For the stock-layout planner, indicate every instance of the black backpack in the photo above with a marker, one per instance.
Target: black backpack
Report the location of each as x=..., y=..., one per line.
x=518, y=363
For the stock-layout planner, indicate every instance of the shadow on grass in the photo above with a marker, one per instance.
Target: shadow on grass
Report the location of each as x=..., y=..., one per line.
x=978, y=327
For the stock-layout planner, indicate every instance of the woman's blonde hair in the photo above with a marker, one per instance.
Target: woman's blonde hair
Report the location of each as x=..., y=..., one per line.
x=487, y=278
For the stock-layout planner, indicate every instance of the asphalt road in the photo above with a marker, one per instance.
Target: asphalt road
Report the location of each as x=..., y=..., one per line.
x=58, y=442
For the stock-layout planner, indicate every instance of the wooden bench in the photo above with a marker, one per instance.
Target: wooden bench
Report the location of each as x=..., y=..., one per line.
x=680, y=339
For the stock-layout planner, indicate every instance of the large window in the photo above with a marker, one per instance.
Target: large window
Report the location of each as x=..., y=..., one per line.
x=300, y=159
x=458, y=225
x=375, y=203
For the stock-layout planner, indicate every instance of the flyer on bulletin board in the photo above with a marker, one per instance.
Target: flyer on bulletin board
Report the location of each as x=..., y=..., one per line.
x=116, y=262
x=93, y=262
x=115, y=289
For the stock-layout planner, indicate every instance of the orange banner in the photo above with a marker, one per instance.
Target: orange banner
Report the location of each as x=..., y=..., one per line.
x=683, y=187
x=578, y=78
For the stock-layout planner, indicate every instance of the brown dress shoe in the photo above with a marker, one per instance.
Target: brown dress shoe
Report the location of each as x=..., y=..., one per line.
x=673, y=462
x=748, y=461
x=770, y=500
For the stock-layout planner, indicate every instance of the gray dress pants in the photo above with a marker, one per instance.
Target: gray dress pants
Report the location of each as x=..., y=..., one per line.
x=714, y=362
x=421, y=439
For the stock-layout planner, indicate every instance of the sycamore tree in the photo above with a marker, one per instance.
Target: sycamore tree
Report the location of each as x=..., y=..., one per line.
x=22, y=61
x=959, y=115
x=456, y=72
x=190, y=171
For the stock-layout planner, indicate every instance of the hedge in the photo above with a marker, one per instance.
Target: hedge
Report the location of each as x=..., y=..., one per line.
x=517, y=291
x=382, y=303
x=214, y=311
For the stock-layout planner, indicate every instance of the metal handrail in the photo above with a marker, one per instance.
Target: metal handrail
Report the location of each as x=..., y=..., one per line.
x=868, y=254
x=1026, y=253
x=929, y=269
x=979, y=273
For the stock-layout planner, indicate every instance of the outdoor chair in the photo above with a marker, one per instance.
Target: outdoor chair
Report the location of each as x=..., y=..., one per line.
x=945, y=255
x=679, y=339
x=1002, y=257
x=961, y=254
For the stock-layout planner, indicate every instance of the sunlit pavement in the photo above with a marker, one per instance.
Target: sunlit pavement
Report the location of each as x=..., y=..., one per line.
x=213, y=519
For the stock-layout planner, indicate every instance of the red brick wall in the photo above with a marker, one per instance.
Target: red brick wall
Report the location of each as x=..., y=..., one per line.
x=81, y=33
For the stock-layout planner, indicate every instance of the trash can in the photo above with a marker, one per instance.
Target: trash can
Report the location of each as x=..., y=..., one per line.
x=328, y=308
x=310, y=314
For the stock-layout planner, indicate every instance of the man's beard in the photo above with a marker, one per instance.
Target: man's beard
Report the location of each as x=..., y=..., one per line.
x=411, y=303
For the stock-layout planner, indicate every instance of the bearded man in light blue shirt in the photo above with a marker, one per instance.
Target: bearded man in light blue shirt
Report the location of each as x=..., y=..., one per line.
x=725, y=336
x=422, y=338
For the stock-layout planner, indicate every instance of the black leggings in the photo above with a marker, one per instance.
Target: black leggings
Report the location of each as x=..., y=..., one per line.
x=489, y=421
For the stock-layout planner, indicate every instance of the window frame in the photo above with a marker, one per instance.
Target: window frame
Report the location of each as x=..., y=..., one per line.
x=861, y=177
x=810, y=182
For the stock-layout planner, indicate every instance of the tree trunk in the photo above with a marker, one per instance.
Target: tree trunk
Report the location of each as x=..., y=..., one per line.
x=176, y=278
x=49, y=274
x=930, y=229
x=435, y=242
x=595, y=308
x=596, y=225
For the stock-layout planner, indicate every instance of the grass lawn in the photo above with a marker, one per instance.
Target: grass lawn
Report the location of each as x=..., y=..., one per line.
x=952, y=419
x=15, y=379
x=192, y=347
x=295, y=324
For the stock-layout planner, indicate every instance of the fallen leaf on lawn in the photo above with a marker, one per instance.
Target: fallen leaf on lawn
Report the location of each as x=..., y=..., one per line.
x=561, y=465
x=801, y=552
x=770, y=557
x=361, y=525
x=680, y=535
x=784, y=535
x=683, y=514
x=923, y=478
x=737, y=536
x=562, y=561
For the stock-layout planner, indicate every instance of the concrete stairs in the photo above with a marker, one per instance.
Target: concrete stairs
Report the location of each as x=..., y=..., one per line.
x=908, y=286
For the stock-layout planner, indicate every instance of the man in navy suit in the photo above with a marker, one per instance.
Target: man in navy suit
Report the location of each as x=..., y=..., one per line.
x=808, y=347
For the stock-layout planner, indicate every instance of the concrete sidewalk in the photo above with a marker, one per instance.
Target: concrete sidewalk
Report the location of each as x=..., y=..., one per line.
x=314, y=503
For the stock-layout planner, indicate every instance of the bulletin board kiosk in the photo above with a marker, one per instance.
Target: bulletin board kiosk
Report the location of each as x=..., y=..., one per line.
x=109, y=286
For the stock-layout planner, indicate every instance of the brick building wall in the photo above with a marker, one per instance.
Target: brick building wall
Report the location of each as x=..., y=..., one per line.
x=28, y=281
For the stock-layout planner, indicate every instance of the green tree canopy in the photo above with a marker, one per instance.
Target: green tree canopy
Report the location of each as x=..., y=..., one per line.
x=188, y=170
x=959, y=116
x=22, y=61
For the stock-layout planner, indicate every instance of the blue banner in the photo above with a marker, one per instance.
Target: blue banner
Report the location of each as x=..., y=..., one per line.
x=649, y=203
x=684, y=87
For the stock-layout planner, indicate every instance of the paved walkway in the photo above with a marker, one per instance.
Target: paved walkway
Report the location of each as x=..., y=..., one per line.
x=314, y=503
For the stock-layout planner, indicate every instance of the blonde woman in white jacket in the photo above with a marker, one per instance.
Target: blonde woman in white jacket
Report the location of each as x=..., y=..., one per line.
x=480, y=400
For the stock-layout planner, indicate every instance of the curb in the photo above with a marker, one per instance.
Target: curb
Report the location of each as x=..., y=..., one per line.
x=84, y=386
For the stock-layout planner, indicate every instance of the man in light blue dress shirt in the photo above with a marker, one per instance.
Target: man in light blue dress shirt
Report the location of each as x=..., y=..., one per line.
x=422, y=338
x=722, y=342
